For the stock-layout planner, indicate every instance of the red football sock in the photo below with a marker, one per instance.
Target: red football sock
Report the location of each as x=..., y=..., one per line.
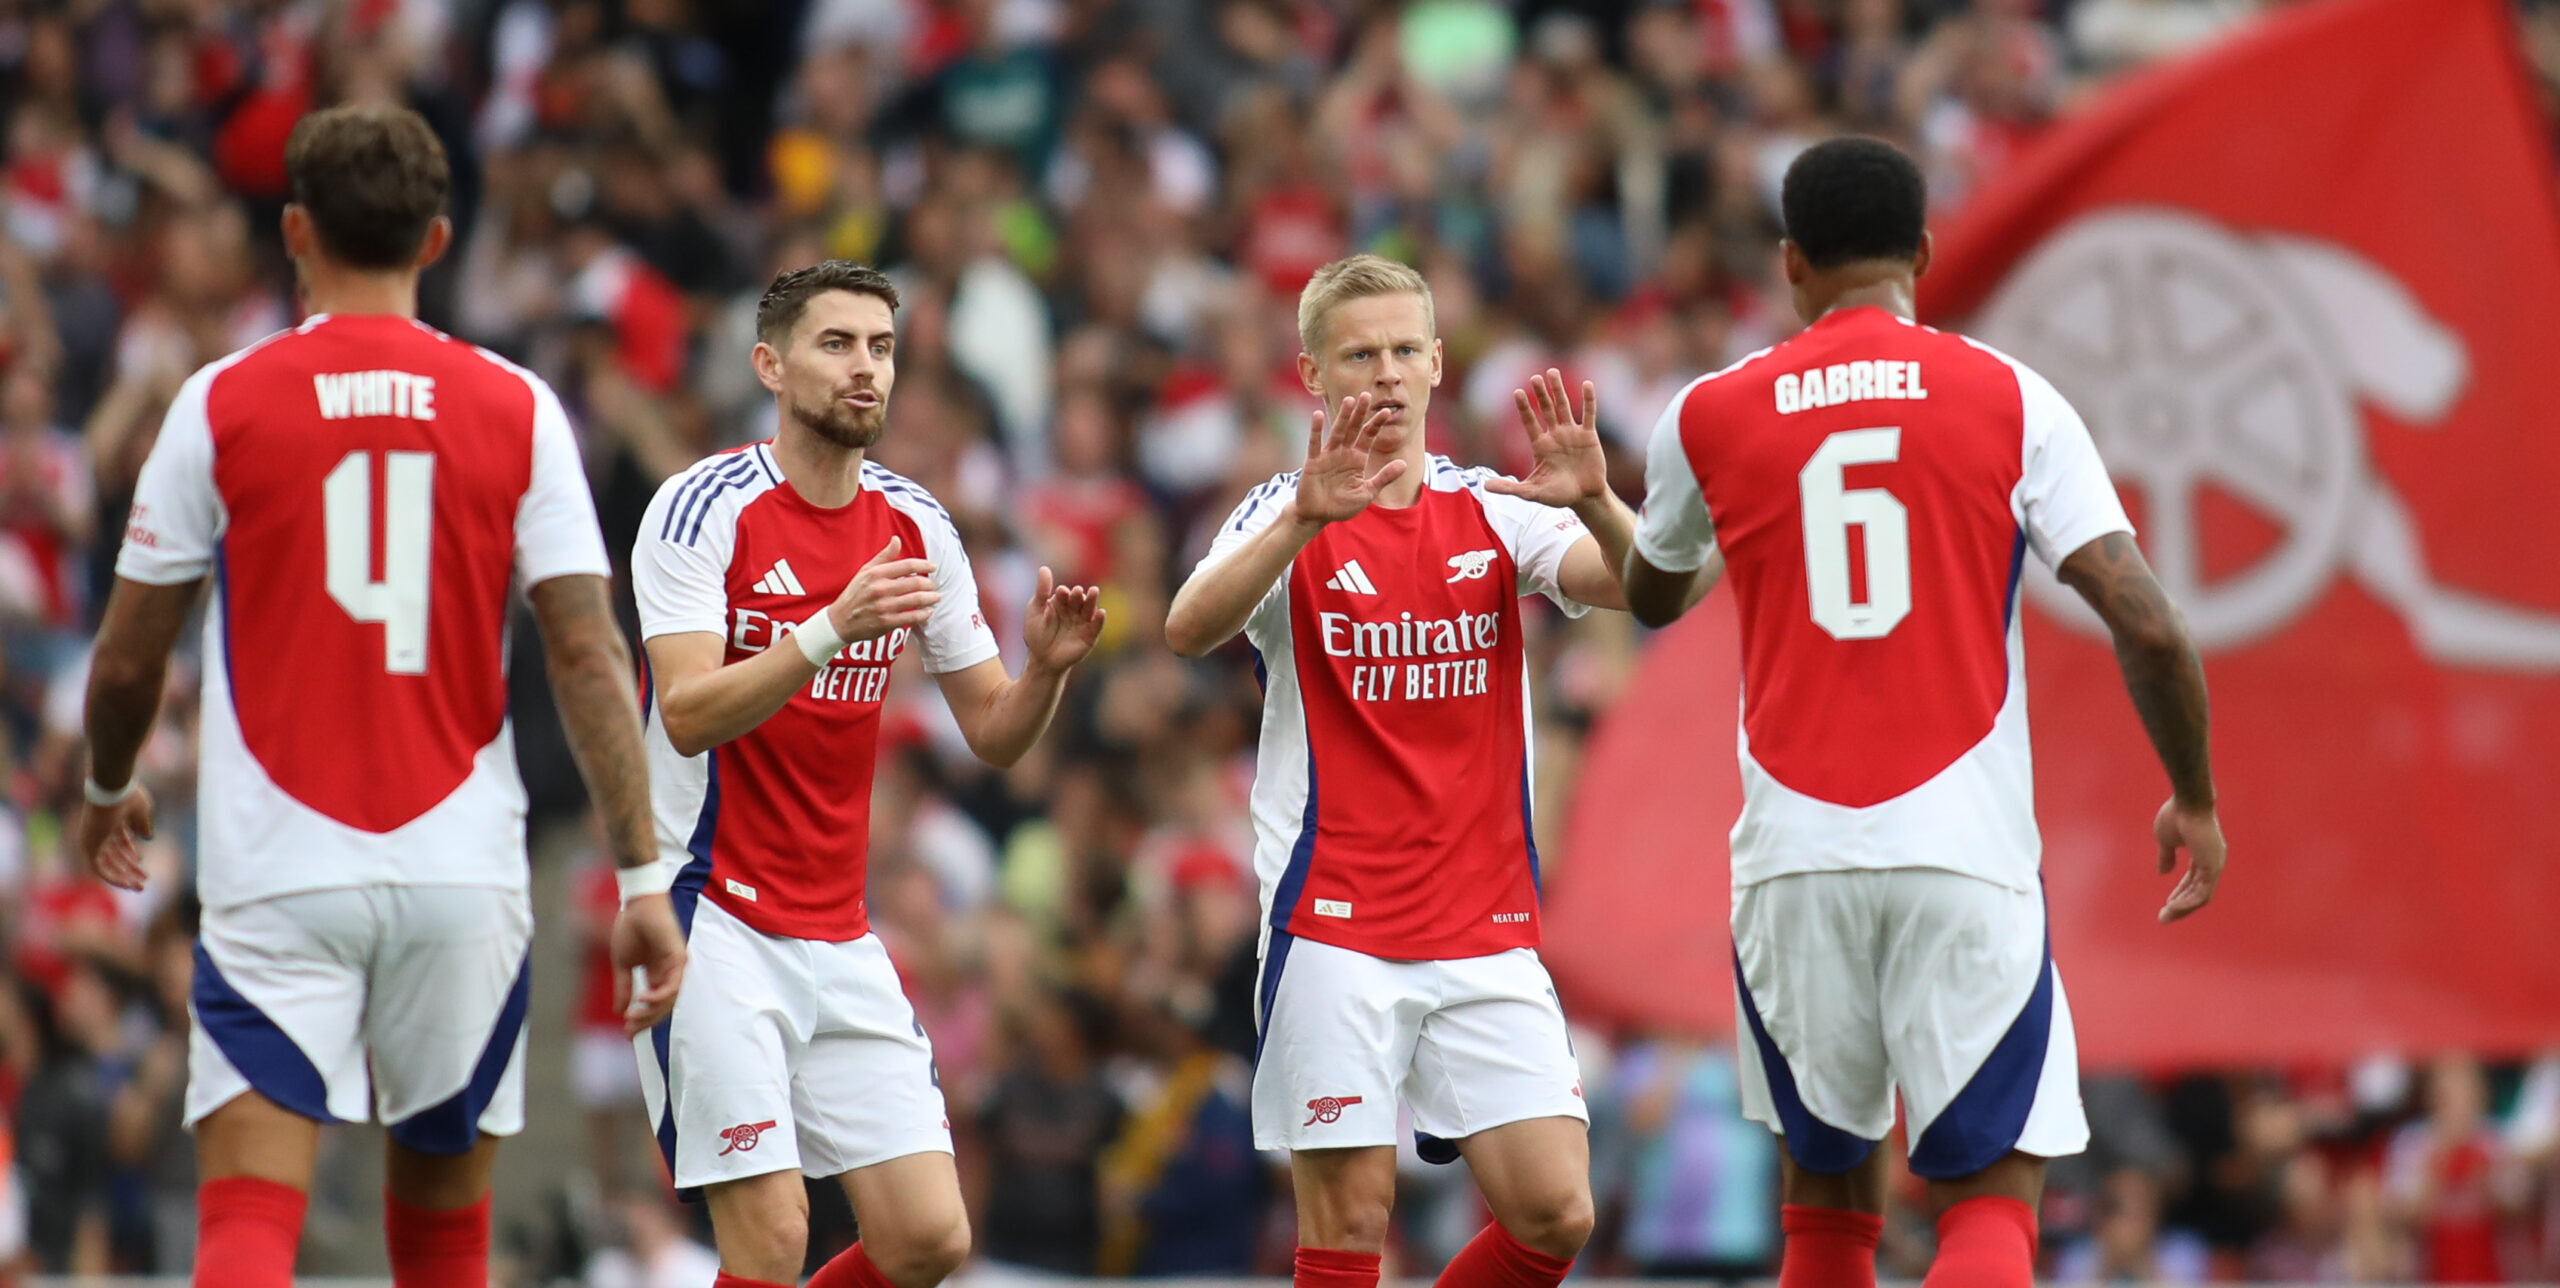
x=1493, y=1259
x=433, y=1249
x=1333, y=1268
x=727, y=1280
x=246, y=1232
x=850, y=1268
x=1828, y=1247
x=1986, y=1242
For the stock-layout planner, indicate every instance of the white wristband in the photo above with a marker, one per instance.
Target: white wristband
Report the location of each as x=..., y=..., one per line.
x=97, y=795
x=645, y=880
x=817, y=639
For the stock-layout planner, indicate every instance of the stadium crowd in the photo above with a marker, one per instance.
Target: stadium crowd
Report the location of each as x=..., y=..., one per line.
x=1100, y=212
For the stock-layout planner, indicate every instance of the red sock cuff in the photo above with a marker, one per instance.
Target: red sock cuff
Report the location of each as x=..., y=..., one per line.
x=250, y=1197
x=727, y=1280
x=1552, y=1269
x=1989, y=1214
x=851, y=1268
x=433, y=1232
x=1831, y=1223
x=1335, y=1268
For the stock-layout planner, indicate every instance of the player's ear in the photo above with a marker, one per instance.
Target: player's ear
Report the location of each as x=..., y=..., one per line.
x=438, y=240
x=1307, y=374
x=768, y=361
x=1797, y=266
x=296, y=227
x=1439, y=360
x=1920, y=258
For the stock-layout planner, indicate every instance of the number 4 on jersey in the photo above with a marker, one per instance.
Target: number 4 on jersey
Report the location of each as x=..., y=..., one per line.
x=399, y=599
x=1829, y=512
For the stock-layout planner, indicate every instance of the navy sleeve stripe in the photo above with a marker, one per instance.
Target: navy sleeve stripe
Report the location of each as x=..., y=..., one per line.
x=702, y=478
x=698, y=504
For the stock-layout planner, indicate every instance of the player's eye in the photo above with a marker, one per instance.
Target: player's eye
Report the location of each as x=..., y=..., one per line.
x=880, y=351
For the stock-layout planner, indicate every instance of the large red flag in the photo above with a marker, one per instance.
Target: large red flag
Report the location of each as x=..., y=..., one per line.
x=2306, y=290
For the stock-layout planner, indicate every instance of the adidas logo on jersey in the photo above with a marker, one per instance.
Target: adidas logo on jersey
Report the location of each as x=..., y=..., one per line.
x=780, y=581
x=1351, y=581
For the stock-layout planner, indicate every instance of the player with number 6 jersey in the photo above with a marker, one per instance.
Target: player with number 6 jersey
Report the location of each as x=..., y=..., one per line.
x=1873, y=488
x=365, y=495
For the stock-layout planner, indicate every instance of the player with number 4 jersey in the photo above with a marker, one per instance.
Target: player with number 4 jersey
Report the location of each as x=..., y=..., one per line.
x=1873, y=488
x=366, y=496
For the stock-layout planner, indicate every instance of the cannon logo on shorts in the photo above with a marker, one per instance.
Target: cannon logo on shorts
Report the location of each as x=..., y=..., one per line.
x=744, y=1136
x=1328, y=1109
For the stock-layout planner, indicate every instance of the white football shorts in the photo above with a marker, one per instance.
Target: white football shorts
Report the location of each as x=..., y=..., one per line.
x=1853, y=984
x=1470, y=1044
x=299, y=995
x=787, y=1053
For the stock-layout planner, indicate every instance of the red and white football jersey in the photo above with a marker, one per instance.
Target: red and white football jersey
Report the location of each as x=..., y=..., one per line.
x=365, y=492
x=1876, y=485
x=1391, y=803
x=775, y=825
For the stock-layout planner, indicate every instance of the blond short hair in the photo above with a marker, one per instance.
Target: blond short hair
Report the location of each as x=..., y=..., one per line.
x=1357, y=278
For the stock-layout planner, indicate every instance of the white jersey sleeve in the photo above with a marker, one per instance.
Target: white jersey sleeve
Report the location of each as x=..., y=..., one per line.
x=2064, y=500
x=681, y=586
x=178, y=514
x=1260, y=509
x=955, y=635
x=1538, y=538
x=556, y=530
x=1674, y=532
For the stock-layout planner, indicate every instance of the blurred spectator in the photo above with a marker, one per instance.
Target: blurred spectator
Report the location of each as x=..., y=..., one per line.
x=1703, y=1181
x=2452, y=1179
x=1044, y=1126
x=653, y=1251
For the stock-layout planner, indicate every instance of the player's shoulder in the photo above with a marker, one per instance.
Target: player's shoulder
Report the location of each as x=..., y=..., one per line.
x=906, y=496
x=1263, y=501
x=709, y=493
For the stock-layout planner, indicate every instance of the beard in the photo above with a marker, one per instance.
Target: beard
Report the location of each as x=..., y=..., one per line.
x=848, y=427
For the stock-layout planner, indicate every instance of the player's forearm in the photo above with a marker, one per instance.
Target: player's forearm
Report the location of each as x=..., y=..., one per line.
x=590, y=666
x=128, y=667
x=2167, y=685
x=704, y=710
x=1015, y=715
x=1612, y=525
x=1214, y=605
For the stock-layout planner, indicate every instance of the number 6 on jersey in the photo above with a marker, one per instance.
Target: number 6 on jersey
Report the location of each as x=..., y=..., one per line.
x=1829, y=511
x=399, y=600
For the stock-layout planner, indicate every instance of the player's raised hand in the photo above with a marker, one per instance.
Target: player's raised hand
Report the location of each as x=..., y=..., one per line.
x=1336, y=482
x=888, y=593
x=646, y=939
x=111, y=837
x=1063, y=622
x=1564, y=446
x=2199, y=833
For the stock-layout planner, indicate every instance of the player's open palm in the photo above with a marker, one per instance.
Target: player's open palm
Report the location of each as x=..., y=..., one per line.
x=1336, y=482
x=2199, y=833
x=888, y=593
x=1564, y=446
x=1062, y=623
x=111, y=838
x=646, y=938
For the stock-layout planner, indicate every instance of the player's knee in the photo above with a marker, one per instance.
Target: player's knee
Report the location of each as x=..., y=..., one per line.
x=1557, y=1224
x=924, y=1257
x=765, y=1235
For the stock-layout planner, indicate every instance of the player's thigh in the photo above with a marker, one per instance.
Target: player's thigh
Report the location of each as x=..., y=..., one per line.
x=1536, y=1177
x=444, y=1023
x=1811, y=1049
x=1976, y=1023
x=1494, y=1051
x=278, y=998
x=1338, y=1030
x=717, y=1074
x=914, y=1226
x=865, y=1089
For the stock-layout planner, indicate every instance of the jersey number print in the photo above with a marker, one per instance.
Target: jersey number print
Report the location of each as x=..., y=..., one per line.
x=1830, y=510
x=399, y=599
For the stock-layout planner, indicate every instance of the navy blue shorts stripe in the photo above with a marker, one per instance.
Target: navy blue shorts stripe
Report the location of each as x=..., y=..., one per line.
x=1982, y=1124
x=1817, y=1146
x=255, y=1045
x=453, y=1127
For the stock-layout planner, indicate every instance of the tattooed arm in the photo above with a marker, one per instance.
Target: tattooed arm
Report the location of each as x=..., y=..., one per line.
x=2166, y=679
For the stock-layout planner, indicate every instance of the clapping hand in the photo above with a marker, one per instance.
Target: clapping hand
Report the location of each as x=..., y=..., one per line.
x=1336, y=482
x=1063, y=622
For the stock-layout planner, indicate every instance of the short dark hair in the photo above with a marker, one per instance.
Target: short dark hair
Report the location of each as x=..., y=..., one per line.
x=789, y=296
x=1854, y=198
x=373, y=178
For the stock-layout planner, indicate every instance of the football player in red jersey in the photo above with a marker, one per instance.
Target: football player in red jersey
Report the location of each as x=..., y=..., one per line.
x=1873, y=487
x=361, y=842
x=1380, y=587
x=777, y=584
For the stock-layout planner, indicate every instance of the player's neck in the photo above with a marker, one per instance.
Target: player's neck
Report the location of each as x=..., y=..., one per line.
x=1894, y=292
x=1407, y=488
x=823, y=473
x=342, y=292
